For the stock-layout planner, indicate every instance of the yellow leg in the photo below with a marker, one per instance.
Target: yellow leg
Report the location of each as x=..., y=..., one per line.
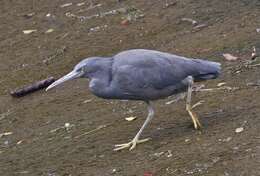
x=193, y=116
x=132, y=144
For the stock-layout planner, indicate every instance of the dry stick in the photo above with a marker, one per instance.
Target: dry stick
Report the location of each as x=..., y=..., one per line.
x=219, y=88
x=32, y=88
x=92, y=131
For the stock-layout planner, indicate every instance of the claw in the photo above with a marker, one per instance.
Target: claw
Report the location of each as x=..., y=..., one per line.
x=131, y=144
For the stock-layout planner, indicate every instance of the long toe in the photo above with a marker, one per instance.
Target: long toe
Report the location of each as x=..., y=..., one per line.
x=122, y=146
x=199, y=126
x=131, y=145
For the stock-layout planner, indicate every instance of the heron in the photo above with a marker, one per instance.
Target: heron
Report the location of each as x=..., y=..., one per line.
x=143, y=75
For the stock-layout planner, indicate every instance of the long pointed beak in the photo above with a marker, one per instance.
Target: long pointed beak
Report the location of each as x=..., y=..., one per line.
x=69, y=76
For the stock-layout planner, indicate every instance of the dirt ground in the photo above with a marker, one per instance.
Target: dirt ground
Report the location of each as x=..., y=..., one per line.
x=38, y=145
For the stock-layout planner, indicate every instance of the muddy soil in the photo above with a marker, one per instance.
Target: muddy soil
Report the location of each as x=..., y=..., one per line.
x=38, y=145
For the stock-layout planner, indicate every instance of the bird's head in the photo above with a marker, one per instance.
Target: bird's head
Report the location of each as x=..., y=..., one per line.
x=82, y=69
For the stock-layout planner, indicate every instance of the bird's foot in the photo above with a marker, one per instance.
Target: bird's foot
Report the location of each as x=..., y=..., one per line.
x=131, y=145
x=195, y=120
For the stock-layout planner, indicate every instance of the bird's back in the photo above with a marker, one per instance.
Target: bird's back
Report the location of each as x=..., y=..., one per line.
x=167, y=64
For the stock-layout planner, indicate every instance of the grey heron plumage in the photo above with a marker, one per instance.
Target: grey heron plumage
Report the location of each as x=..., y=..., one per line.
x=145, y=75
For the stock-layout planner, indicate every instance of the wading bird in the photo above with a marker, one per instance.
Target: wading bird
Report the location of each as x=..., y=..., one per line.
x=144, y=75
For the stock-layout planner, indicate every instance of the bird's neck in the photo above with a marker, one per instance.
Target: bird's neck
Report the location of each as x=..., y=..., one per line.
x=100, y=86
x=100, y=80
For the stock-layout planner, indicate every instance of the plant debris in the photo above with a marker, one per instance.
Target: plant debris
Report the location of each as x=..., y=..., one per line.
x=132, y=118
x=193, y=22
x=239, y=130
x=230, y=57
x=81, y=4
x=199, y=27
x=87, y=101
x=66, y=5
x=29, y=15
x=5, y=134
x=221, y=84
x=32, y=88
x=92, y=131
x=49, y=31
x=67, y=127
x=169, y=154
x=19, y=142
x=98, y=28
x=29, y=31
x=254, y=54
x=132, y=13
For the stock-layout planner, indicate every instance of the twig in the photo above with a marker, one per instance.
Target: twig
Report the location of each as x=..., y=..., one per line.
x=92, y=131
x=5, y=134
x=218, y=88
x=32, y=88
x=193, y=22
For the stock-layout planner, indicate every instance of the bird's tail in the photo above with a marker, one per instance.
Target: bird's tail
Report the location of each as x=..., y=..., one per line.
x=207, y=70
